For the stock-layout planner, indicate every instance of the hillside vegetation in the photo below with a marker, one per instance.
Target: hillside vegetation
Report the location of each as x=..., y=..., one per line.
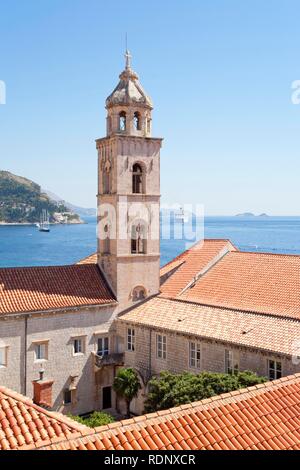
x=22, y=201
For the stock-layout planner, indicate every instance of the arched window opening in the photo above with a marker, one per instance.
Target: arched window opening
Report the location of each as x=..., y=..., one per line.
x=138, y=294
x=137, y=121
x=137, y=179
x=106, y=244
x=138, y=239
x=122, y=121
x=106, y=181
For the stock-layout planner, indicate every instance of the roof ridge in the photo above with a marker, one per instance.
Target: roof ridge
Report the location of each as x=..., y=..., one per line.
x=267, y=253
x=76, y=265
x=192, y=247
x=228, y=240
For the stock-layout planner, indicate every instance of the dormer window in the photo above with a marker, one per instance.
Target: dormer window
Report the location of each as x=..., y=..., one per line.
x=122, y=121
x=137, y=121
x=137, y=179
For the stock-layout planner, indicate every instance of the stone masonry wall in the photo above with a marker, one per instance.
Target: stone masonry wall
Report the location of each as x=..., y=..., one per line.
x=145, y=360
x=59, y=331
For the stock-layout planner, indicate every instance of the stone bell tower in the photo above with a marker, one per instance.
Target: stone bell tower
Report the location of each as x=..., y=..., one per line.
x=129, y=193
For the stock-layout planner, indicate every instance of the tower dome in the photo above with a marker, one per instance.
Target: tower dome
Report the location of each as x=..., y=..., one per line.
x=129, y=107
x=129, y=91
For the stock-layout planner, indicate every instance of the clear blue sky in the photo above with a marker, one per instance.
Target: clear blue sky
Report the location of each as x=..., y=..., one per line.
x=219, y=72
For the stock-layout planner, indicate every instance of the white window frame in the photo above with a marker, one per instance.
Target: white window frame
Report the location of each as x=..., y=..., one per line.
x=82, y=348
x=232, y=363
x=3, y=352
x=161, y=347
x=276, y=367
x=38, y=345
x=104, y=350
x=195, y=355
x=131, y=339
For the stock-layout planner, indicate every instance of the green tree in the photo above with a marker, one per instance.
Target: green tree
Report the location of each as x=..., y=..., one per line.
x=127, y=385
x=21, y=200
x=169, y=390
x=97, y=418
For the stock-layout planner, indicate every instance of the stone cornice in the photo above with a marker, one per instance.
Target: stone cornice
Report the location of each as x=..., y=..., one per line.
x=60, y=311
x=116, y=137
x=138, y=196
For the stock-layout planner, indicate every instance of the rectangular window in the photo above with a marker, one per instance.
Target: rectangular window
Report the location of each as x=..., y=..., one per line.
x=130, y=339
x=41, y=351
x=231, y=362
x=67, y=396
x=78, y=346
x=195, y=355
x=274, y=369
x=161, y=347
x=3, y=357
x=103, y=349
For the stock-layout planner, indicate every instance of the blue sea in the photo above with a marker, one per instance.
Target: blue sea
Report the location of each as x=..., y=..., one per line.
x=66, y=244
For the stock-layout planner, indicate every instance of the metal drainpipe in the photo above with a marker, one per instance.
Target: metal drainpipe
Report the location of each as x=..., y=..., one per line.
x=25, y=356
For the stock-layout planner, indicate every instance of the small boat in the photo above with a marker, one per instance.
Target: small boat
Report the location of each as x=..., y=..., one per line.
x=43, y=226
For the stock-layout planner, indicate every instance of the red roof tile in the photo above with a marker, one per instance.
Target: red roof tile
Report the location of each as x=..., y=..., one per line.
x=259, y=282
x=52, y=287
x=24, y=424
x=192, y=263
x=91, y=259
x=162, y=432
x=268, y=333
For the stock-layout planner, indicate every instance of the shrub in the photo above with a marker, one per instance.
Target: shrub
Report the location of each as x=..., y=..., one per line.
x=169, y=390
x=97, y=418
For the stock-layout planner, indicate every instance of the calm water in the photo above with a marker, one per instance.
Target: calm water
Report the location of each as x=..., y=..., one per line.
x=26, y=246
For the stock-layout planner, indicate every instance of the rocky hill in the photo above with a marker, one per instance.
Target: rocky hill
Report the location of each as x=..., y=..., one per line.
x=22, y=201
x=82, y=211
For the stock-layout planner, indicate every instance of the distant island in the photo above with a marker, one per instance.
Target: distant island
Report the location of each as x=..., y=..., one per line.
x=22, y=201
x=250, y=214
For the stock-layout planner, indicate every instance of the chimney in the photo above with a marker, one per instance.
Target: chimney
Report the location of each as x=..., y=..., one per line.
x=42, y=391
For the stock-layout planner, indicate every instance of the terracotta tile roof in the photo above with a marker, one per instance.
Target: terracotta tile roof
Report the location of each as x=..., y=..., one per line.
x=175, y=262
x=270, y=334
x=53, y=287
x=168, y=268
x=92, y=259
x=23, y=425
x=191, y=263
x=263, y=417
x=260, y=282
x=205, y=251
